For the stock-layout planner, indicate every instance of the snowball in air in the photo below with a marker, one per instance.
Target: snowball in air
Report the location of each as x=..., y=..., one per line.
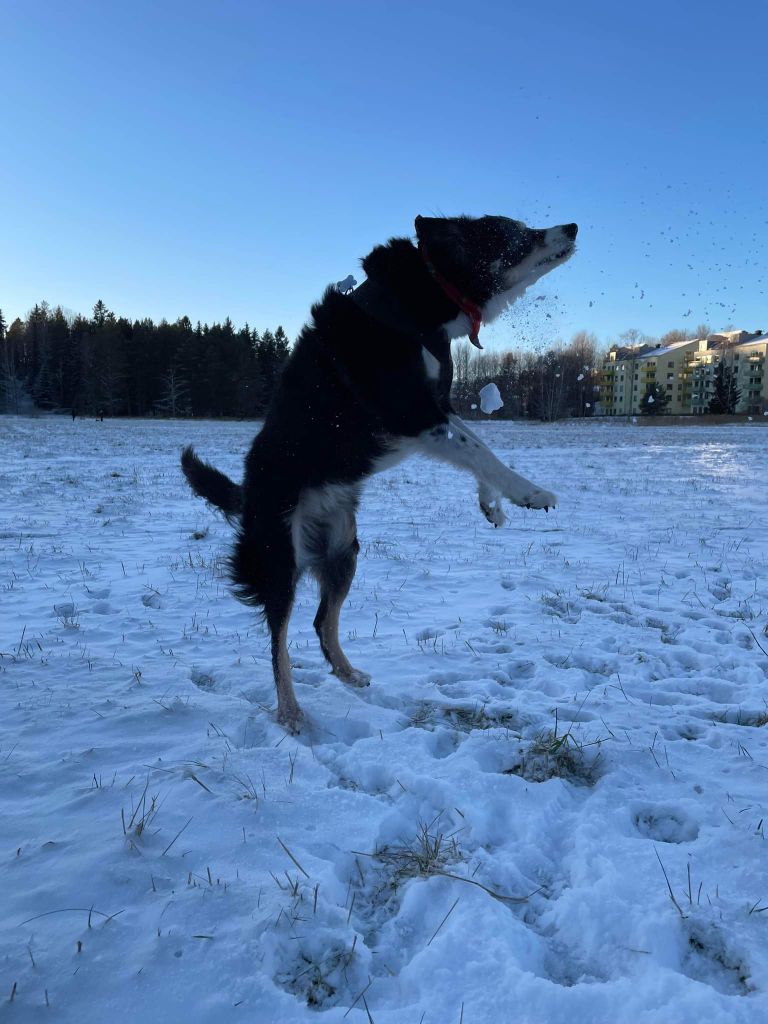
x=490, y=399
x=346, y=285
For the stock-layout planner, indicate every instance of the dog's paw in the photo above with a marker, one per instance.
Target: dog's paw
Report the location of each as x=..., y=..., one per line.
x=493, y=513
x=290, y=716
x=353, y=677
x=538, y=499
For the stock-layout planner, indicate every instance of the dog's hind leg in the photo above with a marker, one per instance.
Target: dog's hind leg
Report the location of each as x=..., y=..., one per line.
x=335, y=573
x=265, y=574
x=324, y=534
x=277, y=610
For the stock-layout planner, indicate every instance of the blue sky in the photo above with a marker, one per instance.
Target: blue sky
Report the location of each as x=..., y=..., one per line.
x=231, y=158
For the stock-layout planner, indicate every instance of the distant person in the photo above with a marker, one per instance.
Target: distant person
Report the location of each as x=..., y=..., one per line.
x=101, y=415
x=74, y=414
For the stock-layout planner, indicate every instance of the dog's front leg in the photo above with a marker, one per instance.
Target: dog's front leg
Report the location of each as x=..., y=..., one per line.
x=490, y=504
x=488, y=498
x=455, y=443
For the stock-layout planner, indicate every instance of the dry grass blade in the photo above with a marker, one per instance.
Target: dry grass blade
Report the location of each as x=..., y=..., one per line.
x=669, y=887
x=182, y=829
x=301, y=869
x=71, y=910
x=194, y=778
x=359, y=997
x=453, y=907
x=496, y=895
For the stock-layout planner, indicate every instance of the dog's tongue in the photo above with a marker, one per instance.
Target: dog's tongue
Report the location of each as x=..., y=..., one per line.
x=474, y=329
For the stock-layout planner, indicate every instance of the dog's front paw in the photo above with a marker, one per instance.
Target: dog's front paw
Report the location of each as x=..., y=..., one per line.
x=538, y=499
x=353, y=677
x=290, y=716
x=493, y=513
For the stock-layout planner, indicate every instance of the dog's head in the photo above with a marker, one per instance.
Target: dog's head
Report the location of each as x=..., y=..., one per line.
x=490, y=260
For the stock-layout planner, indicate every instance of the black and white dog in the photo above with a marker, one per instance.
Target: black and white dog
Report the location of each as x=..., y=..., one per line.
x=368, y=383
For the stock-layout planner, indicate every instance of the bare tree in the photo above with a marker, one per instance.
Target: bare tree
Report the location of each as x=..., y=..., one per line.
x=175, y=397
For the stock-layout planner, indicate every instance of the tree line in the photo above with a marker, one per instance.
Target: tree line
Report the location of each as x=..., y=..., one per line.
x=109, y=365
x=547, y=383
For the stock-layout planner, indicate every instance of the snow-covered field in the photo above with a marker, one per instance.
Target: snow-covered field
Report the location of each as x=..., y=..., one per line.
x=550, y=806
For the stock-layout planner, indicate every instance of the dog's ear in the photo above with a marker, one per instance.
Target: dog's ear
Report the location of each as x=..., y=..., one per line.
x=436, y=229
x=430, y=229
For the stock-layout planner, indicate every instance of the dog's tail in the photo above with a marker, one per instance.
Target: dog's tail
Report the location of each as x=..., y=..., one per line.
x=212, y=484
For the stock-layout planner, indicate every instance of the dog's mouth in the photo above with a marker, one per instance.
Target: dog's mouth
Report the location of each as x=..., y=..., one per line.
x=557, y=257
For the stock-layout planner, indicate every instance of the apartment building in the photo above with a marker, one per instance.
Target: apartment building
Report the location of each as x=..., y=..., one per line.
x=627, y=373
x=745, y=356
x=685, y=371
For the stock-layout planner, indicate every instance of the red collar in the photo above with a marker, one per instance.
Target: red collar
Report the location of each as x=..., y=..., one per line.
x=465, y=305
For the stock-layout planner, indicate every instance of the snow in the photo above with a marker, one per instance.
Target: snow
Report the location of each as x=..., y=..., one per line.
x=347, y=284
x=490, y=399
x=566, y=716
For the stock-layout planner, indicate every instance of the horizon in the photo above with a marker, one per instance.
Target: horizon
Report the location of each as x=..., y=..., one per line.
x=233, y=162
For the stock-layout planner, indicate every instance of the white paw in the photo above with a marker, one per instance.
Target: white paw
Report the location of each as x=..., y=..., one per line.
x=493, y=512
x=538, y=499
x=290, y=716
x=353, y=677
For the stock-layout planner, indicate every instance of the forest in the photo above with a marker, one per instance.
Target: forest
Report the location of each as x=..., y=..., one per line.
x=107, y=364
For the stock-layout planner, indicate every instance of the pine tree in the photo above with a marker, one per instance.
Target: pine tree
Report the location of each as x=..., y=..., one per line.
x=60, y=358
x=654, y=401
x=282, y=345
x=268, y=362
x=726, y=394
x=7, y=370
x=13, y=395
x=109, y=358
x=100, y=314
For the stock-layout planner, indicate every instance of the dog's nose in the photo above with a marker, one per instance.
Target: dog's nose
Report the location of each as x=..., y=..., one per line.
x=570, y=230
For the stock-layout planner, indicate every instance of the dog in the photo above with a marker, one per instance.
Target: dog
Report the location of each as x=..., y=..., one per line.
x=368, y=383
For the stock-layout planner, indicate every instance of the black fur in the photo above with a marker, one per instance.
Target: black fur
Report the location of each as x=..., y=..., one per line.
x=211, y=484
x=354, y=387
x=338, y=405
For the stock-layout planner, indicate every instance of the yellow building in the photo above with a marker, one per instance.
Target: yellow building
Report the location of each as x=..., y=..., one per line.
x=685, y=370
x=745, y=355
x=627, y=373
